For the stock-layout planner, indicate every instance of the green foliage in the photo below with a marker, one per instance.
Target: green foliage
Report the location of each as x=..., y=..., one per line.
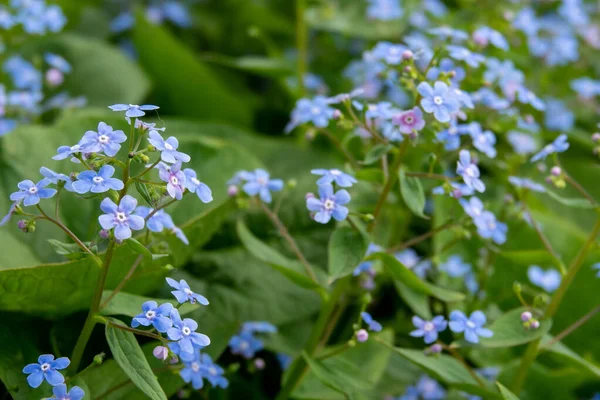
x=347, y=248
x=509, y=331
x=412, y=193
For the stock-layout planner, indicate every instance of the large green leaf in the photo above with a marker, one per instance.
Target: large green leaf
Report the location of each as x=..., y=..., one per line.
x=509, y=331
x=130, y=357
x=506, y=394
x=185, y=86
x=412, y=193
x=560, y=351
x=347, y=248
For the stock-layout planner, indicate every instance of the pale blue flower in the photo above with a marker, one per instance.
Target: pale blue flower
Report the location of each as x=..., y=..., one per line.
x=472, y=326
x=484, y=35
x=133, y=110
x=557, y=116
x=455, y=266
x=445, y=32
x=548, y=280
x=334, y=175
x=371, y=323
x=466, y=55
x=488, y=227
x=121, y=217
x=260, y=183
x=184, y=333
x=385, y=10
x=153, y=314
x=559, y=145
x=56, y=61
x=174, y=177
x=167, y=148
x=60, y=393
x=183, y=293
x=469, y=171
x=522, y=143
x=195, y=186
x=105, y=140
x=484, y=141
x=439, y=100
x=526, y=184
x=388, y=52
x=31, y=193
x=46, y=368
x=428, y=330
x=317, y=111
x=97, y=182
x=329, y=205
x=473, y=207
x=586, y=87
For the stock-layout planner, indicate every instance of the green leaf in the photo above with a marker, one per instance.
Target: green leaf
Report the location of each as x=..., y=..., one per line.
x=70, y=250
x=562, y=351
x=412, y=193
x=342, y=380
x=416, y=300
x=264, y=66
x=144, y=191
x=128, y=354
x=506, y=394
x=292, y=270
x=405, y=276
x=509, y=331
x=178, y=75
x=376, y=153
x=570, y=202
x=347, y=248
x=370, y=175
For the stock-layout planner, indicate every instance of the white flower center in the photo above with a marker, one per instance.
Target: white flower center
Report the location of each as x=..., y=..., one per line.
x=174, y=180
x=469, y=171
x=492, y=225
x=98, y=179
x=315, y=110
x=329, y=204
x=75, y=148
x=335, y=172
x=186, y=331
x=150, y=314
x=103, y=139
x=471, y=325
x=261, y=181
x=121, y=217
x=32, y=190
x=437, y=100
x=212, y=371
x=45, y=367
x=428, y=327
x=133, y=106
x=195, y=366
x=244, y=345
x=409, y=119
x=168, y=146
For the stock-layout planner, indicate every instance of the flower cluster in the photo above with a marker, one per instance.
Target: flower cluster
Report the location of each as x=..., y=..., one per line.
x=246, y=343
x=471, y=326
x=34, y=17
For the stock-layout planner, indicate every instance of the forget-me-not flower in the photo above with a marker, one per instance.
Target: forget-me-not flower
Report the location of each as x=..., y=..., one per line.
x=195, y=186
x=192, y=372
x=105, y=140
x=155, y=315
x=184, y=333
x=167, y=148
x=367, y=266
x=97, y=182
x=60, y=393
x=466, y=55
x=559, y=145
x=384, y=10
x=245, y=344
x=213, y=372
x=174, y=177
x=329, y=205
x=455, y=266
x=469, y=171
x=258, y=327
x=371, y=323
x=445, y=32
x=46, y=368
x=439, y=100
x=522, y=143
x=411, y=260
x=484, y=35
x=260, y=183
x=334, y=175
x=472, y=326
x=473, y=207
x=428, y=330
x=31, y=193
x=488, y=227
x=484, y=141
x=183, y=292
x=557, y=116
x=410, y=121
x=121, y=217
x=317, y=111
x=526, y=184
x=548, y=280
x=133, y=110
x=58, y=62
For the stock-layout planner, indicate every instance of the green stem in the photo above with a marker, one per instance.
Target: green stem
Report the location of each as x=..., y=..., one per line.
x=533, y=347
x=557, y=260
x=572, y=328
x=299, y=367
x=301, y=44
x=121, y=284
x=137, y=332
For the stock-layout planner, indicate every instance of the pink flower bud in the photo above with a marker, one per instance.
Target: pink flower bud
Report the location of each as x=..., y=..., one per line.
x=526, y=316
x=309, y=196
x=232, y=191
x=54, y=77
x=535, y=324
x=555, y=171
x=337, y=114
x=407, y=55
x=259, y=363
x=362, y=335
x=596, y=137
x=104, y=234
x=22, y=224
x=435, y=348
x=161, y=353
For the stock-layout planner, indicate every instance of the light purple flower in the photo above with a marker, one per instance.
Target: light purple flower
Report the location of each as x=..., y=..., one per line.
x=469, y=171
x=175, y=179
x=472, y=326
x=329, y=205
x=409, y=121
x=428, y=330
x=184, y=333
x=167, y=148
x=120, y=217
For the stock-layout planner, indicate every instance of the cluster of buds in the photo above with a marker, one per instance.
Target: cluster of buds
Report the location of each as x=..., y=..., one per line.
x=27, y=226
x=528, y=321
x=556, y=177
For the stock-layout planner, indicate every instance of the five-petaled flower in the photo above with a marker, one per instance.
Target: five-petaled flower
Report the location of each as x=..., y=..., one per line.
x=184, y=333
x=60, y=393
x=174, y=177
x=105, y=140
x=428, y=330
x=183, y=292
x=410, y=121
x=259, y=182
x=97, y=182
x=439, y=100
x=133, y=110
x=121, y=217
x=167, y=148
x=155, y=315
x=559, y=145
x=548, y=280
x=469, y=172
x=472, y=326
x=46, y=368
x=329, y=205
x=334, y=175
x=31, y=193
x=195, y=186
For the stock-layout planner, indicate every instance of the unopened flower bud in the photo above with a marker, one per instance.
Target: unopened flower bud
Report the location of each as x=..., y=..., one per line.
x=174, y=360
x=435, y=348
x=104, y=233
x=596, y=137
x=555, y=171
x=309, y=196
x=232, y=191
x=54, y=77
x=407, y=55
x=161, y=352
x=151, y=148
x=22, y=224
x=310, y=135
x=407, y=69
x=99, y=358
x=456, y=193
x=259, y=363
x=337, y=114
x=145, y=159
x=526, y=316
x=362, y=335
x=535, y=324
x=452, y=74
x=292, y=183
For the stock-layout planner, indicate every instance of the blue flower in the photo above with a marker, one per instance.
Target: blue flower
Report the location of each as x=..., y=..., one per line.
x=526, y=184
x=258, y=327
x=192, y=372
x=466, y=55
x=7, y=126
x=371, y=323
x=52, y=176
x=445, y=32
x=158, y=221
x=97, y=182
x=183, y=292
x=120, y=217
x=473, y=207
x=447, y=65
x=484, y=35
x=439, y=100
x=490, y=99
x=455, y=266
x=259, y=182
x=11, y=210
x=167, y=148
x=133, y=110
x=105, y=140
x=559, y=145
x=586, y=87
x=65, y=151
x=213, y=372
x=46, y=368
x=450, y=137
x=526, y=96
x=195, y=186
x=184, y=333
x=469, y=172
x=334, y=175
x=526, y=21
x=245, y=344
x=458, y=190
x=329, y=205
x=60, y=393
x=180, y=235
x=472, y=326
x=411, y=260
x=483, y=141
x=428, y=329
x=548, y=280
x=31, y=193
x=389, y=53
x=488, y=227
x=380, y=111
x=56, y=61
x=316, y=111
x=558, y=117
x=23, y=74
x=597, y=268
x=155, y=315
x=367, y=266
x=425, y=389
x=521, y=142
x=384, y=10
x=174, y=177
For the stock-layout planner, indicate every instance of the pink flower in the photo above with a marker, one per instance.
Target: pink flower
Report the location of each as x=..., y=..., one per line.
x=409, y=121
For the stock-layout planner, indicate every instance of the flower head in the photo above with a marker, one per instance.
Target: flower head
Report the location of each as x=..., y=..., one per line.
x=46, y=368
x=559, y=145
x=121, y=217
x=384, y=10
x=486, y=35
x=158, y=221
x=439, y=100
x=167, y=148
x=371, y=323
x=466, y=55
x=469, y=172
x=258, y=327
x=488, y=227
x=548, y=280
x=184, y=333
x=60, y=392
x=428, y=330
x=97, y=182
x=484, y=141
x=334, y=175
x=455, y=266
x=56, y=61
x=473, y=207
x=317, y=111
x=195, y=186
x=155, y=315
x=183, y=292
x=174, y=177
x=329, y=205
x=105, y=140
x=245, y=344
x=521, y=142
x=410, y=121
x=133, y=110
x=31, y=193
x=472, y=326
x=259, y=182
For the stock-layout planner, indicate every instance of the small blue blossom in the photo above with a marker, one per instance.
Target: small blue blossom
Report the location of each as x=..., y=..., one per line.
x=133, y=110
x=484, y=141
x=184, y=333
x=557, y=116
x=317, y=111
x=458, y=190
x=155, y=315
x=469, y=171
x=97, y=182
x=65, y=151
x=183, y=293
x=195, y=186
x=522, y=143
x=260, y=183
x=548, y=280
x=446, y=32
x=120, y=217
x=428, y=330
x=175, y=178
x=447, y=66
x=60, y=393
x=484, y=35
x=158, y=222
x=439, y=100
x=586, y=87
x=488, y=227
x=46, y=368
x=192, y=372
x=329, y=205
x=527, y=22
x=31, y=193
x=11, y=211
x=172, y=11
x=450, y=136
x=472, y=326
x=284, y=360
x=490, y=99
x=526, y=184
x=334, y=175
x=213, y=372
x=54, y=177
x=384, y=10
x=473, y=207
x=526, y=96
x=367, y=266
x=371, y=323
x=258, y=327
x=23, y=74
x=463, y=54
x=411, y=260
x=167, y=148
x=245, y=344
x=425, y=389
x=389, y=53
x=56, y=61
x=455, y=266
x=559, y=145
